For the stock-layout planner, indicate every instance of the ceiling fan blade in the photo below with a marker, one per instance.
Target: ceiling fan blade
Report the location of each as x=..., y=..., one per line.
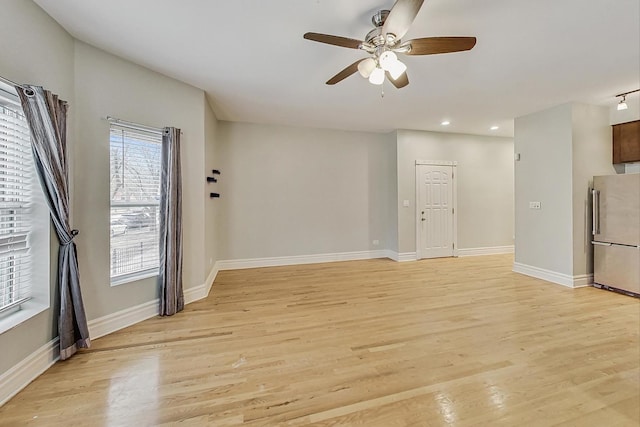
x=400, y=82
x=333, y=40
x=351, y=69
x=434, y=45
x=401, y=16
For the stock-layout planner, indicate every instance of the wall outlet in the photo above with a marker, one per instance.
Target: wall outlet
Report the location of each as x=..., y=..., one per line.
x=534, y=205
x=376, y=242
x=210, y=262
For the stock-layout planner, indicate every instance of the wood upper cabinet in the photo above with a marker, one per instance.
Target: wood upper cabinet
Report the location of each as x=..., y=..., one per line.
x=626, y=142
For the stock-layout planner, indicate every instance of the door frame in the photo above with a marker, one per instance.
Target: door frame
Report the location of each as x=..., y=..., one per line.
x=454, y=184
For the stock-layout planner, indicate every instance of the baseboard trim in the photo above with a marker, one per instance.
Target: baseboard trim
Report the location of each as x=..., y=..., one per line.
x=239, y=264
x=212, y=277
x=402, y=257
x=407, y=256
x=582, y=280
x=493, y=250
x=202, y=291
x=121, y=319
x=21, y=374
x=553, y=276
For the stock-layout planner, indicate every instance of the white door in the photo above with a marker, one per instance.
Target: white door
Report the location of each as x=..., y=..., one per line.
x=435, y=210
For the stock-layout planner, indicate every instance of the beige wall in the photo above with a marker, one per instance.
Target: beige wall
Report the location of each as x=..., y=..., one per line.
x=110, y=86
x=485, y=185
x=298, y=191
x=35, y=49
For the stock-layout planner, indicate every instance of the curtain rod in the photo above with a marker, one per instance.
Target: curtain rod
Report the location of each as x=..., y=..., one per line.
x=10, y=82
x=133, y=125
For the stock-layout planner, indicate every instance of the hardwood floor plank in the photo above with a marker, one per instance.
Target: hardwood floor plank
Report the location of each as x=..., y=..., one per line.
x=456, y=342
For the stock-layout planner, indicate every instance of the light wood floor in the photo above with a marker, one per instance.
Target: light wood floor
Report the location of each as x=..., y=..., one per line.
x=459, y=342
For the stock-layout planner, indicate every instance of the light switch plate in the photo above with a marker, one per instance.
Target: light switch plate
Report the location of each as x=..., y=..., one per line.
x=405, y=203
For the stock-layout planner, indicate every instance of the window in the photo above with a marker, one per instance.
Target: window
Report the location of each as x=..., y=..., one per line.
x=135, y=196
x=24, y=220
x=16, y=179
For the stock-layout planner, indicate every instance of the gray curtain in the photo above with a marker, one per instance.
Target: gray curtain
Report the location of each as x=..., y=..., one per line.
x=170, y=275
x=47, y=118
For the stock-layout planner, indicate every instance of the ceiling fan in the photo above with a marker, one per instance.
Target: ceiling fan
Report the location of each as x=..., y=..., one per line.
x=385, y=41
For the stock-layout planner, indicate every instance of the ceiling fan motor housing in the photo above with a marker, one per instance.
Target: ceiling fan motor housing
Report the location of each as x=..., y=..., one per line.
x=379, y=18
x=375, y=37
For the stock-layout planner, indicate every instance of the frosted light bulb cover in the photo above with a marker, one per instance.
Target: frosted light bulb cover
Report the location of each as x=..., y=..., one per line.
x=622, y=106
x=377, y=76
x=366, y=66
x=387, y=59
x=396, y=69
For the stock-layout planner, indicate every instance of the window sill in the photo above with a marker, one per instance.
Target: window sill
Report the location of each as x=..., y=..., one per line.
x=26, y=311
x=121, y=280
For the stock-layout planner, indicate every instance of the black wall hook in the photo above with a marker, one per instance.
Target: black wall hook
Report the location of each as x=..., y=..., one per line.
x=212, y=178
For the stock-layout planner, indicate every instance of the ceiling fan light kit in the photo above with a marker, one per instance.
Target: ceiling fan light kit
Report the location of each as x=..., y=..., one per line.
x=384, y=42
x=366, y=67
x=377, y=76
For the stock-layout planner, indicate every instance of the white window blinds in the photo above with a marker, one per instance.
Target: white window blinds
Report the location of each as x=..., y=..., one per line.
x=135, y=196
x=16, y=178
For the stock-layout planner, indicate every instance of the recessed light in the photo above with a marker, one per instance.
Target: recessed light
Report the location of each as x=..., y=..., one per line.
x=494, y=127
x=445, y=123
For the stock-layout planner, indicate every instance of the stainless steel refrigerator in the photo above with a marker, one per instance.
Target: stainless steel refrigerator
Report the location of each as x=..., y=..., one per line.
x=616, y=232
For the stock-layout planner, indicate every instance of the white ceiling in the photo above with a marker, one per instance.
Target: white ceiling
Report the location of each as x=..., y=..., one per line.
x=250, y=57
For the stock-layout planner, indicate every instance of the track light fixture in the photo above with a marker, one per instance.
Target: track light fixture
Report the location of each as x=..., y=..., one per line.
x=622, y=105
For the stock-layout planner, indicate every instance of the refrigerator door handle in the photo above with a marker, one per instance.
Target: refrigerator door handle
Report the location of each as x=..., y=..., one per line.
x=602, y=243
x=595, y=219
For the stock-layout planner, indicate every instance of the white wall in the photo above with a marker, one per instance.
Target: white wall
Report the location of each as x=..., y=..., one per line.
x=485, y=185
x=35, y=49
x=299, y=191
x=110, y=86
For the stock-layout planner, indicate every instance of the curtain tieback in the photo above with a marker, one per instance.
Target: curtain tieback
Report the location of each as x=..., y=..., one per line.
x=74, y=233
